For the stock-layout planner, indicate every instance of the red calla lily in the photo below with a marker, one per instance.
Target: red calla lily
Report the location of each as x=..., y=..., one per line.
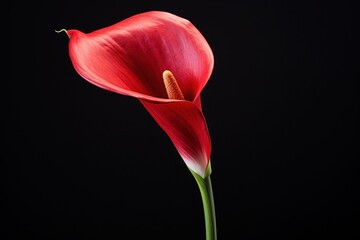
x=130, y=58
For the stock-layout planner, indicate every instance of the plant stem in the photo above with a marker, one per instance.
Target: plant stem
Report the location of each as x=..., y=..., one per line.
x=208, y=204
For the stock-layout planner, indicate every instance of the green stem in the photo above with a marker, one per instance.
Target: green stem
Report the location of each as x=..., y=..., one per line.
x=208, y=204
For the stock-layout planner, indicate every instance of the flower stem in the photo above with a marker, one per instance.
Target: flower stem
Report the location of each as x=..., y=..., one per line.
x=208, y=204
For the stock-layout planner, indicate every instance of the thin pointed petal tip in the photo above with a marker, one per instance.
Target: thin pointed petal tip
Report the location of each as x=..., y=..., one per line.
x=63, y=30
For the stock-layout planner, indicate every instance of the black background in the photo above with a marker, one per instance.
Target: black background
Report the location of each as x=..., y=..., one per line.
x=83, y=163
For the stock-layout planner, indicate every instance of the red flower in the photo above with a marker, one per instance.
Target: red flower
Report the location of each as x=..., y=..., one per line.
x=160, y=59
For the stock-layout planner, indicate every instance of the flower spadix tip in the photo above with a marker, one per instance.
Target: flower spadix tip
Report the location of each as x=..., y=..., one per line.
x=172, y=87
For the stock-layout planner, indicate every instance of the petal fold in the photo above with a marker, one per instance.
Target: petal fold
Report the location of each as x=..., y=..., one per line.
x=186, y=126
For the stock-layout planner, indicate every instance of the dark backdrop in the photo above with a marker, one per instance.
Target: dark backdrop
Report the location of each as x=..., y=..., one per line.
x=83, y=163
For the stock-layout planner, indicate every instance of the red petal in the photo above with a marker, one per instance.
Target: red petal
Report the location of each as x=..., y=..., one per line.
x=130, y=56
x=186, y=126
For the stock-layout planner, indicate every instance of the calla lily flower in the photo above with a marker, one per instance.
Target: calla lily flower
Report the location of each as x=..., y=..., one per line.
x=164, y=61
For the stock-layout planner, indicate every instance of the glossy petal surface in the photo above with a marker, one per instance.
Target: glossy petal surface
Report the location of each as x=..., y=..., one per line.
x=129, y=57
